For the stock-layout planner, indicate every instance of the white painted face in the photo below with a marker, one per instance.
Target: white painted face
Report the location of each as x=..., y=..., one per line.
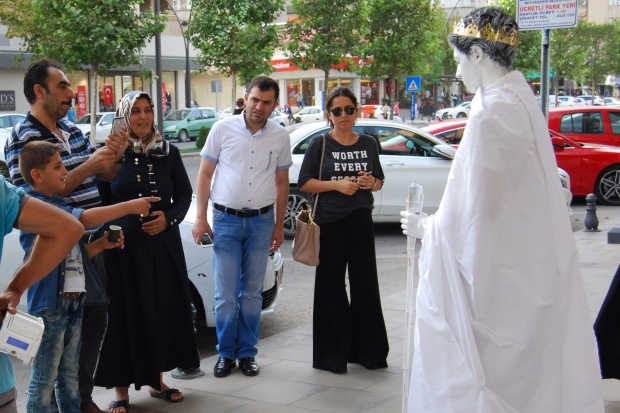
x=468, y=69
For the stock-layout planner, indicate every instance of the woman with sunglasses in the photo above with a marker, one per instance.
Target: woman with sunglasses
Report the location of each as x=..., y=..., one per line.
x=344, y=331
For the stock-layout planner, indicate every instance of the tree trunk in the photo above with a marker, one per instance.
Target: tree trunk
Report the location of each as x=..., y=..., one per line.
x=233, y=76
x=93, y=105
x=325, y=91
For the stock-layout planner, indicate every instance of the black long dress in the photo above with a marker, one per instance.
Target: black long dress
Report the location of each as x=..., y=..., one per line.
x=150, y=326
x=607, y=330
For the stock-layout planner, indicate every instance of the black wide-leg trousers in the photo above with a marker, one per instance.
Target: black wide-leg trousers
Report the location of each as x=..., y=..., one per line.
x=348, y=332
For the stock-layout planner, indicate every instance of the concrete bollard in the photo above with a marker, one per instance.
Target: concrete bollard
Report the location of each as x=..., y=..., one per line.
x=591, y=221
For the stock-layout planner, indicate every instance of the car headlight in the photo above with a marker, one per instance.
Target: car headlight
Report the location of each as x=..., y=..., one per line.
x=170, y=128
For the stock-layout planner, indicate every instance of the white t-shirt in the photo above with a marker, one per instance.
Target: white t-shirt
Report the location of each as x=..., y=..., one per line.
x=74, y=272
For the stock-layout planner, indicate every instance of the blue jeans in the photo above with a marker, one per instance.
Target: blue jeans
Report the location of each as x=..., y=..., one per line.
x=56, y=363
x=240, y=254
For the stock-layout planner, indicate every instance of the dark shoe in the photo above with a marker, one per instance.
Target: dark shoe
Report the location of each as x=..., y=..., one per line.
x=223, y=367
x=91, y=408
x=167, y=395
x=119, y=404
x=248, y=366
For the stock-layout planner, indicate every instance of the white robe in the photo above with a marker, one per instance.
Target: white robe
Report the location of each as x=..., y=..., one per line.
x=502, y=322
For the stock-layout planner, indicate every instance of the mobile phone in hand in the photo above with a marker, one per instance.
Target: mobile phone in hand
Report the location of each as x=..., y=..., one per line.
x=117, y=124
x=206, y=240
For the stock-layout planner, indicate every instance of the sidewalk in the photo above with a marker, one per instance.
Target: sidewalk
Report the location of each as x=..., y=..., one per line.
x=288, y=384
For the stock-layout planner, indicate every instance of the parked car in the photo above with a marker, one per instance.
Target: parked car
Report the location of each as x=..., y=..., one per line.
x=590, y=124
x=592, y=100
x=185, y=124
x=103, y=124
x=563, y=101
x=226, y=113
x=198, y=259
x=279, y=117
x=459, y=111
x=612, y=101
x=310, y=114
x=592, y=168
x=8, y=122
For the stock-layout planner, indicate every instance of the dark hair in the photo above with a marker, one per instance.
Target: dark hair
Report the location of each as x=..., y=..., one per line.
x=36, y=155
x=264, y=83
x=339, y=91
x=36, y=74
x=501, y=53
x=240, y=102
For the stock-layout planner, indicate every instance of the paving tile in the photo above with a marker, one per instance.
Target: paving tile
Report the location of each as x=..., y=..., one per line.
x=392, y=405
x=357, y=378
x=289, y=370
x=305, y=330
x=279, y=391
x=392, y=385
x=341, y=400
x=611, y=390
x=219, y=385
x=279, y=341
x=261, y=407
x=198, y=402
x=612, y=407
x=296, y=352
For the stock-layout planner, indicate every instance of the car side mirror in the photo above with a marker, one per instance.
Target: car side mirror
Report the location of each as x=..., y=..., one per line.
x=103, y=123
x=190, y=119
x=444, y=151
x=558, y=142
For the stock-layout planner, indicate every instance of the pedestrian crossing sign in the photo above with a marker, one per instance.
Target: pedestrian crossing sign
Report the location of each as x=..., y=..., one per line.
x=414, y=83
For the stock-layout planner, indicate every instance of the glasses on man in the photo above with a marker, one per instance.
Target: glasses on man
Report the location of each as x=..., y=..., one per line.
x=349, y=110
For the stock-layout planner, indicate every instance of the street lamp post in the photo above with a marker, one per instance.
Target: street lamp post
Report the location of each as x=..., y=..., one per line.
x=188, y=74
x=158, y=85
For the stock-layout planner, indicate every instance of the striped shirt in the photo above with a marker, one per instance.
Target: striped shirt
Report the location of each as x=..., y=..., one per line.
x=74, y=151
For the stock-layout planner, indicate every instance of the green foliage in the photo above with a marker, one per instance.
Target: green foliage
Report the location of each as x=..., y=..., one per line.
x=297, y=119
x=529, y=48
x=324, y=33
x=202, y=137
x=236, y=37
x=103, y=34
x=404, y=37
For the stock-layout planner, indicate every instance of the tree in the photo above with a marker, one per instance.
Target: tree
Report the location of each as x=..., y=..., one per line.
x=236, y=37
x=78, y=33
x=325, y=34
x=402, y=36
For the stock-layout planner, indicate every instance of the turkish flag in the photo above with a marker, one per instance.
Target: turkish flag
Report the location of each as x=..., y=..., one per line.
x=108, y=94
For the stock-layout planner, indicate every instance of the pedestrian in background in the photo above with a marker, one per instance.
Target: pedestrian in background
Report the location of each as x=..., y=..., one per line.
x=396, y=109
x=345, y=332
x=300, y=100
x=240, y=106
x=49, y=94
x=252, y=155
x=71, y=114
x=384, y=110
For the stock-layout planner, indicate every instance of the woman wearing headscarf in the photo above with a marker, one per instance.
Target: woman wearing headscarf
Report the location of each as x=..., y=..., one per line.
x=149, y=316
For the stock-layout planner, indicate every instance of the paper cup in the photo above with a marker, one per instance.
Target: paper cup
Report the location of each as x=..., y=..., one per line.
x=114, y=234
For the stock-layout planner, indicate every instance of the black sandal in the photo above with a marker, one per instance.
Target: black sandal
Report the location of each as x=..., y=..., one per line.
x=167, y=395
x=119, y=403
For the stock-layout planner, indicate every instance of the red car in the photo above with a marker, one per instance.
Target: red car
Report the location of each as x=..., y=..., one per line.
x=591, y=167
x=587, y=124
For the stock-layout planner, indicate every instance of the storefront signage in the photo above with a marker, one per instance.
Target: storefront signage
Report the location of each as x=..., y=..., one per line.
x=283, y=65
x=546, y=14
x=7, y=100
x=81, y=100
x=164, y=100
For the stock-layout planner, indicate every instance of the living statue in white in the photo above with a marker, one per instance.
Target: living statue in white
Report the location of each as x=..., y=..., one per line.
x=502, y=322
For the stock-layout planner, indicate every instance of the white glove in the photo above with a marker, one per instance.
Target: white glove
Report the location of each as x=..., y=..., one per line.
x=413, y=224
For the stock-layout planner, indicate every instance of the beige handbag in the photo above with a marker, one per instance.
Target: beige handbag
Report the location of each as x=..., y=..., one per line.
x=306, y=244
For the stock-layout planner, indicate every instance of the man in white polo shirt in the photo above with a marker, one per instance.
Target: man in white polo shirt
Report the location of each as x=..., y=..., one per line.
x=248, y=157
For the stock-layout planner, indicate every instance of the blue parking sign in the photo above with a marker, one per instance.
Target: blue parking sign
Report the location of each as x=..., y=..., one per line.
x=414, y=84
x=412, y=112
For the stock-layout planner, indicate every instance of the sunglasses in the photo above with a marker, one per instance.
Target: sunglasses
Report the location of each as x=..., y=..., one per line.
x=349, y=110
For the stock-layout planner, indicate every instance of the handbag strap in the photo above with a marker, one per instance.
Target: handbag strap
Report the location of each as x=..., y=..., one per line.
x=316, y=199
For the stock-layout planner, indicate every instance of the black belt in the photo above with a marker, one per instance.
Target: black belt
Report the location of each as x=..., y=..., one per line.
x=243, y=213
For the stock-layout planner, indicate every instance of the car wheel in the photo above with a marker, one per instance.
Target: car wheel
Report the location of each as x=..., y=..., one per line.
x=607, y=188
x=296, y=203
x=183, y=136
x=444, y=116
x=461, y=115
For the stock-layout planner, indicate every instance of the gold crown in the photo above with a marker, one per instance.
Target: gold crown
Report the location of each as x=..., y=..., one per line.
x=486, y=33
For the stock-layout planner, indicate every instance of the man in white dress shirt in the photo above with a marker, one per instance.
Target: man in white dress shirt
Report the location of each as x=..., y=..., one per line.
x=247, y=156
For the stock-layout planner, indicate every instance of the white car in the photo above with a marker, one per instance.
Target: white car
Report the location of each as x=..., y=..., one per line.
x=279, y=117
x=460, y=111
x=226, y=113
x=310, y=114
x=563, y=101
x=379, y=113
x=8, y=122
x=612, y=101
x=198, y=259
x=408, y=154
x=592, y=100
x=104, y=125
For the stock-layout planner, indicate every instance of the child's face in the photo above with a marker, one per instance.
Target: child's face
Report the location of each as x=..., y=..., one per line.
x=53, y=176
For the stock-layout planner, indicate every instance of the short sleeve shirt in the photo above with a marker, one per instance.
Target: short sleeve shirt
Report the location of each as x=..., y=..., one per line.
x=246, y=162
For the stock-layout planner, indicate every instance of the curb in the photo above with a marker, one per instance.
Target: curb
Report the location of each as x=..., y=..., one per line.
x=191, y=155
